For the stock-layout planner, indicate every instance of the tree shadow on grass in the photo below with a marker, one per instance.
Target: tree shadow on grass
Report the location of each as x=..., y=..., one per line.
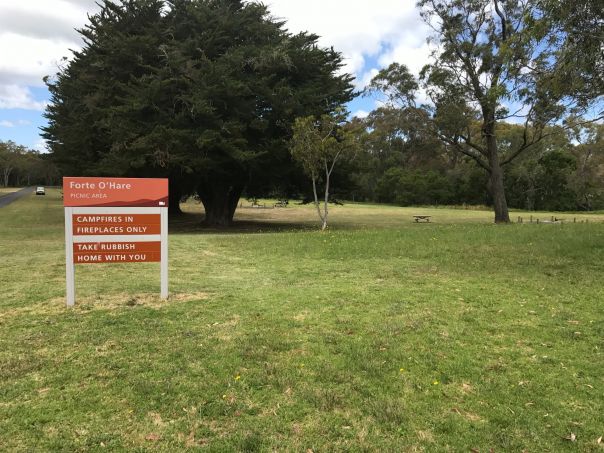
x=192, y=223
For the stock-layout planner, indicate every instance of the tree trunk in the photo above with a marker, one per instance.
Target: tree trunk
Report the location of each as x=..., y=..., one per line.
x=219, y=202
x=174, y=196
x=326, y=212
x=7, y=172
x=318, y=206
x=500, y=203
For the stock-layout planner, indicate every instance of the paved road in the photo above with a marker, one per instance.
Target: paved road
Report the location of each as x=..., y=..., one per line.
x=9, y=198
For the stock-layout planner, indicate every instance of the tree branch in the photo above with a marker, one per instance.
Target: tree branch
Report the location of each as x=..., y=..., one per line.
x=526, y=144
x=504, y=35
x=465, y=151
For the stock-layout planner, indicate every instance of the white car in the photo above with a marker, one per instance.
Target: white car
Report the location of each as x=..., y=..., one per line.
x=40, y=191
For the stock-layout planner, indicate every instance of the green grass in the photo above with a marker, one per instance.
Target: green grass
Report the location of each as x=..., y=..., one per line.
x=380, y=335
x=7, y=190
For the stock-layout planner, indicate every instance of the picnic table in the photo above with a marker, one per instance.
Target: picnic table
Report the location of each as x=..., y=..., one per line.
x=422, y=217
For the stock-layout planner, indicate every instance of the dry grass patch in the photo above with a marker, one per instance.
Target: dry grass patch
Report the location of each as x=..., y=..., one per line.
x=7, y=190
x=425, y=436
x=113, y=302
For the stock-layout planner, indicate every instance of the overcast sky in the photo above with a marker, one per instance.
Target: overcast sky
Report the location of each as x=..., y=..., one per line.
x=36, y=34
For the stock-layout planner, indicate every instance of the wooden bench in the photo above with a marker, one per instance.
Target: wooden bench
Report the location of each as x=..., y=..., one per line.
x=422, y=217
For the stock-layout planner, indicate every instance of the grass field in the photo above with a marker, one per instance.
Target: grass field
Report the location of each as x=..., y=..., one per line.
x=379, y=335
x=6, y=190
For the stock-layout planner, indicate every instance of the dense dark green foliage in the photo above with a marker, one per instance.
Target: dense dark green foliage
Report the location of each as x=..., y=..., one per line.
x=201, y=91
x=399, y=165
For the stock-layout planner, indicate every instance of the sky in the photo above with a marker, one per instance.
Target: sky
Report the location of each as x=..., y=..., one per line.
x=35, y=36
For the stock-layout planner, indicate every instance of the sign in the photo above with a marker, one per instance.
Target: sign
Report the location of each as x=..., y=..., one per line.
x=116, y=252
x=115, y=220
x=140, y=192
x=86, y=224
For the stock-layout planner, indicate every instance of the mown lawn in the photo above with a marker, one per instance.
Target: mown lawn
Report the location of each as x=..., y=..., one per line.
x=380, y=335
x=7, y=190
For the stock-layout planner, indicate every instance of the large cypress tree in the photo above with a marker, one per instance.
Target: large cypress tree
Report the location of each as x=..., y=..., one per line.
x=201, y=91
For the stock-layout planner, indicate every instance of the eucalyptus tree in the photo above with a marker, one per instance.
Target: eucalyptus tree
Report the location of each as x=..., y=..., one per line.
x=494, y=61
x=318, y=144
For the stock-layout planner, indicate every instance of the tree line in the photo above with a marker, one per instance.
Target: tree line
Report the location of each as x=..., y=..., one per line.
x=399, y=164
x=220, y=98
x=20, y=166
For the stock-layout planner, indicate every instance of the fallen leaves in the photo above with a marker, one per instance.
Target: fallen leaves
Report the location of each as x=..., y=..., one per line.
x=572, y=437
x=467, y=415
x=156, y=418
x=466, y=388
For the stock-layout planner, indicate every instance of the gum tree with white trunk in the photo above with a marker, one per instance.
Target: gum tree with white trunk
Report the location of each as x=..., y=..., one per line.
x=318, y=144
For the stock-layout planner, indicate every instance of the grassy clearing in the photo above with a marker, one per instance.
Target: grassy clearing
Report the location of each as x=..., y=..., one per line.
x=380, y=335
x=6, y=190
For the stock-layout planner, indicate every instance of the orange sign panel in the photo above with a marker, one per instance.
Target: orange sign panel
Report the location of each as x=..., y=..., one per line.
x=115, y=192
x=116, y=252
x=115, y=224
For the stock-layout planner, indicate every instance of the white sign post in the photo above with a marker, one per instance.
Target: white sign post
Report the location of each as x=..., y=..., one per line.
x=114, y=232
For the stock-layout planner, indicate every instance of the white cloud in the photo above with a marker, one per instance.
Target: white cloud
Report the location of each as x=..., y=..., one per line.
x=360, y=114
x=35, y=35
x=414, y=56
x=362, y=30
x=363, y=80
x=18, y=97
x=25, y=60
x=41, y=145
x=5, y=123
x=44, y=24
x=422, y=97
